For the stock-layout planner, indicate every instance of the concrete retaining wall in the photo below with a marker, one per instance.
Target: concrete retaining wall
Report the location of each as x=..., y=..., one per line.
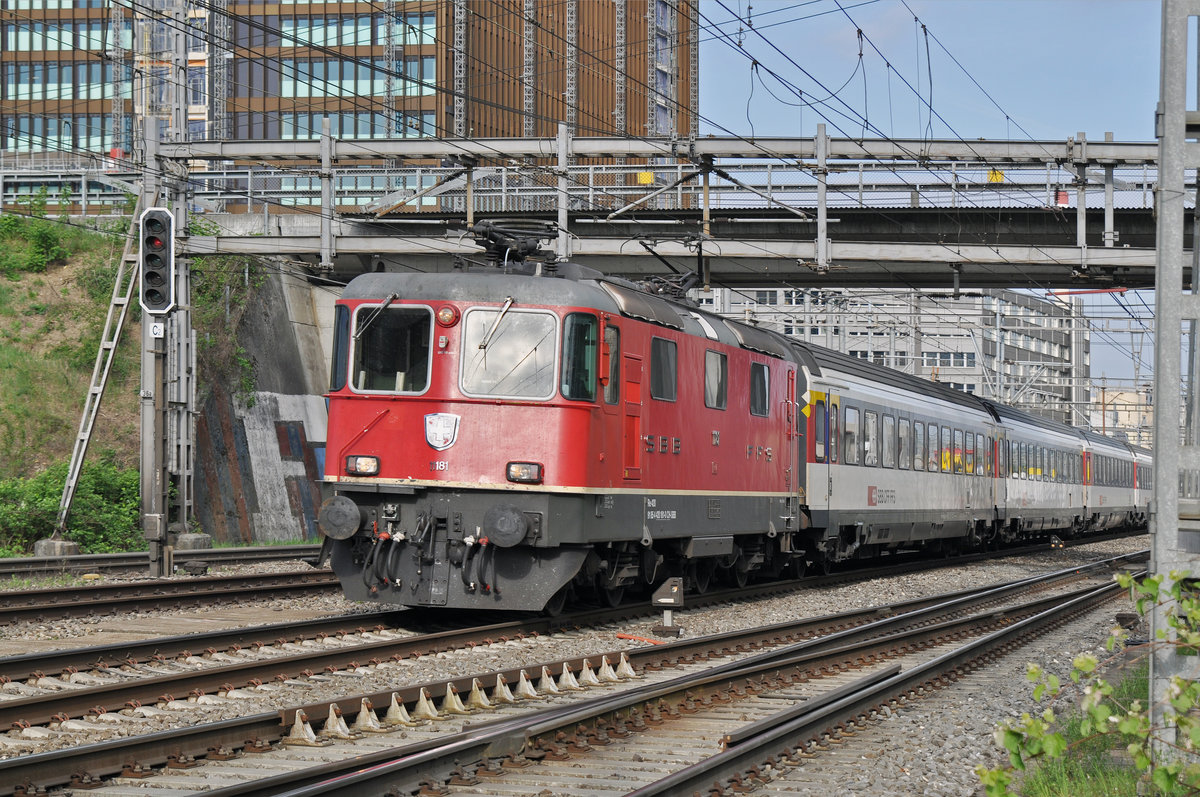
x=257, y=466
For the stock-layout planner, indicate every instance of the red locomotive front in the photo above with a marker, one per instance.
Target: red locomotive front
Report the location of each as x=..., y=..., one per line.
x=496, y=440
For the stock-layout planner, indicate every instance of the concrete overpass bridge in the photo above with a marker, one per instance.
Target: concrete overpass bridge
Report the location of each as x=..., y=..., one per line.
x=805, y=211
x=808, y=212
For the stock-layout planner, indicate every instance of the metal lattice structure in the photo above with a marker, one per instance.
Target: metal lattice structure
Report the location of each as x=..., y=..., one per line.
x=529, y=74
x=460, y=68
x=219, y=63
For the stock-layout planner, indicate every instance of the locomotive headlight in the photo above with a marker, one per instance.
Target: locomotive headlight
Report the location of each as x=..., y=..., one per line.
x=525, y=472
x=362, y=466
x=447, y=316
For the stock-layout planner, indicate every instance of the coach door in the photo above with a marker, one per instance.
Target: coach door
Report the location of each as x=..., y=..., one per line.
x=797, y=421
x=631, y=418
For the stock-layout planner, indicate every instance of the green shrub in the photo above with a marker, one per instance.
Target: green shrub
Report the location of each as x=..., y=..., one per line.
x=104, y=513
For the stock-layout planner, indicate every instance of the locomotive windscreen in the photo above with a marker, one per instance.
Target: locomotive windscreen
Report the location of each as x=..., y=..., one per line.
x=391, y=348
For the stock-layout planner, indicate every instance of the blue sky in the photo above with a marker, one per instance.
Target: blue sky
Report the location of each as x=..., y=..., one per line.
x=1052, y=68
x=1045, y=69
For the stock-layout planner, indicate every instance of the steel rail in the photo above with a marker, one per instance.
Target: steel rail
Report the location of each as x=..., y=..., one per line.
x=37, y=604
x=104, y=562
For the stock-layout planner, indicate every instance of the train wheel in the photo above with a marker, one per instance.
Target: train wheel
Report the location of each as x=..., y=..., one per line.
x=612, y=596
x=700, y=575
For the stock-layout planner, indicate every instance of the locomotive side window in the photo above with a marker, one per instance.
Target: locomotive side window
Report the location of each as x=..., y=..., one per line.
x=819, y=421
x=391, y=348
x=932, y=451
x=850, y=447
x=612, y=342
x=509, y=353
x=341, y=347
x=663, y=373
x=759, y=389
x=918, y=454
x=871, y=438
x=579, y=356
x=905, y=459
x=716, y=379
x=889, y=441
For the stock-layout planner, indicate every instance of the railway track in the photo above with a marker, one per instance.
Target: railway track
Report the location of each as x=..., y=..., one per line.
x=109, y=562
x=139, y=755
x=107, y=598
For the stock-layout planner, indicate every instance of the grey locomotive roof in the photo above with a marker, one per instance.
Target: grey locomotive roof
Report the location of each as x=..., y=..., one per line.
x=479, y=287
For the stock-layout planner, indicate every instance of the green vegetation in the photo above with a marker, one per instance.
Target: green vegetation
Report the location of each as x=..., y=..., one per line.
x=1093, y=763
x=104, y=514
x=222, y=287
x=56, y=282
x=1113, y=723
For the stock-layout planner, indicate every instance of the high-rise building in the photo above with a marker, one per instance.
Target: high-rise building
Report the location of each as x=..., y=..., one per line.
x=1004, y=345
x=79, y=76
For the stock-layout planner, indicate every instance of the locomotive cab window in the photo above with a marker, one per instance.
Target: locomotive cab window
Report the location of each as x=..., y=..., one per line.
x=509, y=353
x=391, y=348
x=716, y=379
x=341, y=347
x=663, y=374
x=579, y=357
x=759, y=389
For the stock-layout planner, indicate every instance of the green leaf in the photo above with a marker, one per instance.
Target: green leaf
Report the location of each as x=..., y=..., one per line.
x=1055, y=744
x=1038, y=691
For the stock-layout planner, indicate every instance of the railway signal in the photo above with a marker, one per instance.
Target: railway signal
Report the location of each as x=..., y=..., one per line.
x=156, y=261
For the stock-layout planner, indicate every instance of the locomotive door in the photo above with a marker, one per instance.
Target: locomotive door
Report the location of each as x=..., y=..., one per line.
x=631, y=418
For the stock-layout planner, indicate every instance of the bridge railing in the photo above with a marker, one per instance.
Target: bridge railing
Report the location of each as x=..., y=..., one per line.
x=603, y=187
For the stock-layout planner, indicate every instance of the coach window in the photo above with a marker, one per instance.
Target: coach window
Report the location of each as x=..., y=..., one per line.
x=947, y=450
x=1014, y=459
x=663, y=369
x=889, y=441
x=579, y=355
x=508, y=353
x=918, y=456
x=759, y=389
x=905, y=456
x=932, y=451
x=391, y=348
x=969, y=453
x=958, y=454
x=819, y=421
x=716, y=377
x=834, y=432
x=851, y=444
x=871, y=438
x=979, y=455
x=612, y=346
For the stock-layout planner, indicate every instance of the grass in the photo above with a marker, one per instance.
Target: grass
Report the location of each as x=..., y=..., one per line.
x=1095, y=765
